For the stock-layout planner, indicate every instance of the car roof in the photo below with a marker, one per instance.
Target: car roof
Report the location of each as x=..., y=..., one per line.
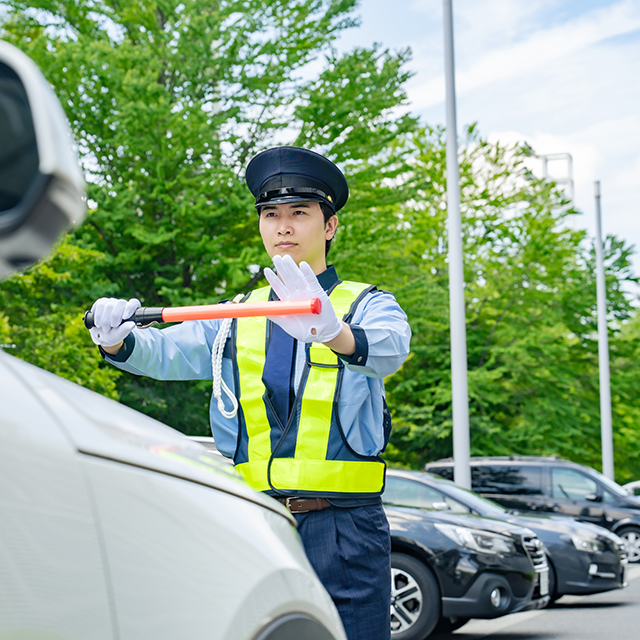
x=527, y=460
x=413, y=473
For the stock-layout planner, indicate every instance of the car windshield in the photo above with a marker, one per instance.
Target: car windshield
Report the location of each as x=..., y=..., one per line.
x=614, y=487
x=471, y=499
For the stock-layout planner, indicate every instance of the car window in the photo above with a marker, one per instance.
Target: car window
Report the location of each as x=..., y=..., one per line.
x=612, y=486
x=407, y=493
x=570, y=484
x=608, y=497
x=455, y=506
x=445, y=472
x=507, y=479
x=473, y=502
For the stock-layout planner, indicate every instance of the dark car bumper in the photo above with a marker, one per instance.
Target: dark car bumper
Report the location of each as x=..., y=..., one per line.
x=478, y=602
x=600, y=577
x=590, y=573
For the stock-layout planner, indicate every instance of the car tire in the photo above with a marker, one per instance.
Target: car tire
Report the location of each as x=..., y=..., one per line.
x=448, y=625
x=631, y=537
x=553, y=584
x=415, y=599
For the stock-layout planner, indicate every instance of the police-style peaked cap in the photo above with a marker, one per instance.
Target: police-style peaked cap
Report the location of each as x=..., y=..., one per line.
x=291, y=174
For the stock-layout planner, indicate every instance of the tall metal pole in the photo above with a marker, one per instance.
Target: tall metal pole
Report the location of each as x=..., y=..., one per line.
x=457, y=323
x=606, y=430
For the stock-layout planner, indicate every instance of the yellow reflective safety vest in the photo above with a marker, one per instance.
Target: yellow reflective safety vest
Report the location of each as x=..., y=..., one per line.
x=311, y=455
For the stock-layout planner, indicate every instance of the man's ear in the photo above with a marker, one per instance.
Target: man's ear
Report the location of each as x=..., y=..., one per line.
x=330, y=227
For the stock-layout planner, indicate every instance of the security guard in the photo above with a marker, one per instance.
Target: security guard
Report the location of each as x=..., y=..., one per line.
x=310, y=419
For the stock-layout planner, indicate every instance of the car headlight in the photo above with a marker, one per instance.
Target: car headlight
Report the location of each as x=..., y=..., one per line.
x=478, y=540
x=590, y=545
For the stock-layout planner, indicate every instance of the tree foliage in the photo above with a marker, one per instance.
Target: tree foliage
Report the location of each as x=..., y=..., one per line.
x=530, y=310
x=168, y=101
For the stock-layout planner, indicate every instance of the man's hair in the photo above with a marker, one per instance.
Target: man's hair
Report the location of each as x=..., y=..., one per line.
x=327, y=212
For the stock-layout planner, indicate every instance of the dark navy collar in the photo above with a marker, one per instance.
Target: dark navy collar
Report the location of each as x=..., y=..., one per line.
x=328, y=278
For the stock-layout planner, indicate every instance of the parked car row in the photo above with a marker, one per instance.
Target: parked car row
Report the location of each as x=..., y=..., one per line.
x=582, y=558
x=552, y=485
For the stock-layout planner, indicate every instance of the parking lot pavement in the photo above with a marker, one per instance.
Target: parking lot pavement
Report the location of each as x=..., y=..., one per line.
x=568, y=619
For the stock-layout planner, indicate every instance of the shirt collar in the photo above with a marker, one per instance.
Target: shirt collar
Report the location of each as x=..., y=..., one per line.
x=328, y=278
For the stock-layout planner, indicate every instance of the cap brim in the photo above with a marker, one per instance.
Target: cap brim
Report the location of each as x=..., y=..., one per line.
x=287, y=199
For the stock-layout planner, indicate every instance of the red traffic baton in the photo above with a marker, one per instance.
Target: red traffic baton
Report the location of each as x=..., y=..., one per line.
x=144, y=316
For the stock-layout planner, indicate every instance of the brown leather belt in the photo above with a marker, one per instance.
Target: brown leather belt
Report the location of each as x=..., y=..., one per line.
x=304, y=505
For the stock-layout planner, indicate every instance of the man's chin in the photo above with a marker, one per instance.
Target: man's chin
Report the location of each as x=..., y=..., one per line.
x=288, y=251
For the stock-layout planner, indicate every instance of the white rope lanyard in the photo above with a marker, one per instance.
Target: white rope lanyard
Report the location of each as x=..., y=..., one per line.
x=219, y=385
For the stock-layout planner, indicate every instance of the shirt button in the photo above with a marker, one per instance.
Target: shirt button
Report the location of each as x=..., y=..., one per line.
x=360, y=359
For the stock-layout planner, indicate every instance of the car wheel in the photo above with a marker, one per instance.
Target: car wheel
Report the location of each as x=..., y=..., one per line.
x=631, y=537
x=553, y=585
x=415, y=599
x=447, y=625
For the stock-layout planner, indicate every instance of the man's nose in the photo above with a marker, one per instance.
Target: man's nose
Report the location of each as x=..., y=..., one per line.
x=284, y=228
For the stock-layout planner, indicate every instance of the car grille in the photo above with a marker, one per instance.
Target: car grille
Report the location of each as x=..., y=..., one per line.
x=536, y=551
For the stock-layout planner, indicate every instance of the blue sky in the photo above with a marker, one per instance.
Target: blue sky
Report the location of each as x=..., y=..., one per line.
x=562, y=75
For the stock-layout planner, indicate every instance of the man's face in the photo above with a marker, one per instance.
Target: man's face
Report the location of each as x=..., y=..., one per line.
x=297, y=229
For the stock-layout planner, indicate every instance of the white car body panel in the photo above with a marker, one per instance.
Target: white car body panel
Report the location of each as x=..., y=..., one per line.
x=113, y=526
x=51, y=564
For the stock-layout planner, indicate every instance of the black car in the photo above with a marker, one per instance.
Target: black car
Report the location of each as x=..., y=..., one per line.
x=448, y=568
x=553, y=485
x=583, y=558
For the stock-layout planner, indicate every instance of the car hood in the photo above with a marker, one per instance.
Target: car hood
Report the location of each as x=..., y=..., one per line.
x=104, y=428
x=398, y=515
x=558, y=524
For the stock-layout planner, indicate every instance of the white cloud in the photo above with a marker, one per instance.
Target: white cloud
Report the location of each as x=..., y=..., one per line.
x=559, y=74
x=630, y=177
x=538, y=51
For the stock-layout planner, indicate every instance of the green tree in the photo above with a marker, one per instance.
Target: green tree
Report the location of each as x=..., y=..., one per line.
x=530, y=311
x=40, y=322
x=168, y=100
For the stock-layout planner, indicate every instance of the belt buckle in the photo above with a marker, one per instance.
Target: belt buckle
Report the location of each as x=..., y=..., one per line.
x=288, y=505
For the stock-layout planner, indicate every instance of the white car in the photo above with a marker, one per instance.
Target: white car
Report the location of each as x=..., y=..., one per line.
x=112, y=525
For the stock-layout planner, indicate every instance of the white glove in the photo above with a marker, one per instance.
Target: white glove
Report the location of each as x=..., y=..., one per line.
x=108, y=313
x=300, y=283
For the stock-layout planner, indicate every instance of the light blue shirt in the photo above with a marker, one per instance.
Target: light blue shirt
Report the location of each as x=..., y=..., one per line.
x=183, y=352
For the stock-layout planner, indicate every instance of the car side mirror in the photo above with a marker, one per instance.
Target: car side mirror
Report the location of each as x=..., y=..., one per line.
x=440, y=506
x=593, y=497
x=41, y=186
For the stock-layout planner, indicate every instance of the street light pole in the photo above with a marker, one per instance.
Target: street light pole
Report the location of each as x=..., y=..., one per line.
x=606, y=430
x=457, y=323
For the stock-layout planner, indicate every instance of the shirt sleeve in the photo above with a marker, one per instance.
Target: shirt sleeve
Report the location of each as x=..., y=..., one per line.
x=178, y=352
x=382, y=335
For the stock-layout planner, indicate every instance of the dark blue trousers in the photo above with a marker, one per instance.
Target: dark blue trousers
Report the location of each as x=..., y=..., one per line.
x=349, y=548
